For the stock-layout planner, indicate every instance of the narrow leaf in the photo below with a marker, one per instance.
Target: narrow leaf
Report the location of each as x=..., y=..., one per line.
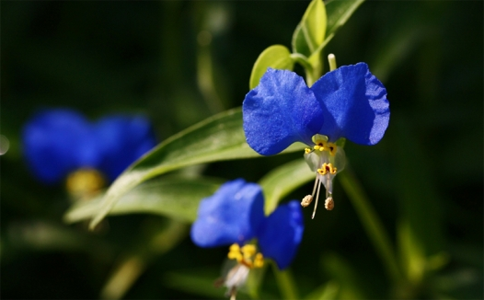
x=421, y=232
x=309, y=34
x=339, y=11
x=283, y=180
x=326, y=291
x=276, y=57
x=371, y=223
x=345, y=275
x=173, y=197
x=201, y=282
x=217, y=138
x=194, y=281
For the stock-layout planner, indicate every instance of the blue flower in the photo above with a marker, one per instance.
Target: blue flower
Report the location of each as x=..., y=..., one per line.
x=234, y=215
x=281, y=233
x=61, y=141
x=348, y=102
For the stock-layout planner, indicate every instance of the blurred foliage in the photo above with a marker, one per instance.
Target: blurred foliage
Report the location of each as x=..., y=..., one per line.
x=181, y=62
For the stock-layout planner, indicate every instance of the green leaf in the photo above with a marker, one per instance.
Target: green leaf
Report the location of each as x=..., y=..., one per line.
x=411, y=252
x=158, y=237
x=286, y=283
x=309, y=33
x=217, y=138
x=41, y=235
x=326, y=291
x=339, y=11
x=371, y=222
x=198, y=282
x=201, y=282
x=173, y=197
x=276, y=57
x=283, y=180
x=255, y=281
x=421, y=233
x=345, y=275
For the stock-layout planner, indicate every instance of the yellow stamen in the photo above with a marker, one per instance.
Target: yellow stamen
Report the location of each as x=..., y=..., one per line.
x=246, y=255
x=332, y=169
x=325, y=168
x=331, y=147
x=234, y=247
x=248, y=251
x=259, y=260
x=85, y=183
x=307, y=150
x=306, y=200
x=234, y=253
x=329, y=203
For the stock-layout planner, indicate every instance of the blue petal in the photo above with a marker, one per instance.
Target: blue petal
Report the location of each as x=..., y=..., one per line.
x=281, y=233
x=122, y=140
x=56, y=142
x=355, y=104
x=231, y=215
x=280, y=111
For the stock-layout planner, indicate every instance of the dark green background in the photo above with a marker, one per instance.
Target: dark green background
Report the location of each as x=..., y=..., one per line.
x=141, y=57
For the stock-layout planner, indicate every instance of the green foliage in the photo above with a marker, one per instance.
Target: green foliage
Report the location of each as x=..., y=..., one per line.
x=218, y=138
x=282, y=180
x=338, y=14
x=176, y=198
x=309, y=34
x=276, y=57
x=408, y=217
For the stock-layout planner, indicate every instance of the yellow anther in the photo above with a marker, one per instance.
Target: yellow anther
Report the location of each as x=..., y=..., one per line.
x=85, y=183
x=234, y=247
x=320, y=146
x=307, y=150
x=234, y=253
x=331, y=147
x=325, y=168
x=259, y=260
x=248, y=251
x=306, y=200
x=246, y=256
x=332, y=169
x=320, y=142
x=329, y=203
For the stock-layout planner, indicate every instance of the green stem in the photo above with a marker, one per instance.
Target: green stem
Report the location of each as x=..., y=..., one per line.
x=371, y=223
x=312, y=65
x=302, y=60
x=286, y=283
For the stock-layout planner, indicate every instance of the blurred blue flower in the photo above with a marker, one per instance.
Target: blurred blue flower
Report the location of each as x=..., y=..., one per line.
x=235, y=214
x=60, y=141
x=232, y=215
x=281, y=233
x=348, y=102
